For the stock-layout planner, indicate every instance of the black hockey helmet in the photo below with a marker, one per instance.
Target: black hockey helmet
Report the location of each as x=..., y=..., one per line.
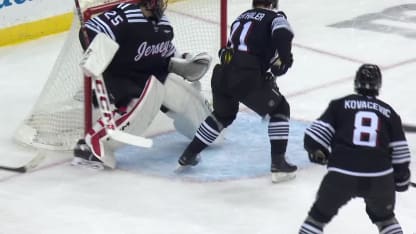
x=265, y=2
x=368, y=80
x=157, y=7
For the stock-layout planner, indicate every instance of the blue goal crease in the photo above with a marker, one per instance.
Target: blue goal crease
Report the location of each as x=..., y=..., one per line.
x=243, y=153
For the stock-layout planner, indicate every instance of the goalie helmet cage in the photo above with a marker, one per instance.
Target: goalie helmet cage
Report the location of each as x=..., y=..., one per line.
x=63, y=112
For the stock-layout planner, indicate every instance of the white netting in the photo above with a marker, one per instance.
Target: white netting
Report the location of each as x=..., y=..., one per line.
x=57, y=119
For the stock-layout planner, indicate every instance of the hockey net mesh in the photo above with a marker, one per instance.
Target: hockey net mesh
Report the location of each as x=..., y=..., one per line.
x=56, y=121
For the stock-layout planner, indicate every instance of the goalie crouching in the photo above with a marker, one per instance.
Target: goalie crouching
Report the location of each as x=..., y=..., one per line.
x=133, y=62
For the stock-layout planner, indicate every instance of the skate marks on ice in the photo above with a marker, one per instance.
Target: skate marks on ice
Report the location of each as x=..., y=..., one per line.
x=243, y=153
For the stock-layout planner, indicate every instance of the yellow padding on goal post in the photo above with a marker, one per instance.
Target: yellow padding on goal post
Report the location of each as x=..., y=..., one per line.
x=36, y=29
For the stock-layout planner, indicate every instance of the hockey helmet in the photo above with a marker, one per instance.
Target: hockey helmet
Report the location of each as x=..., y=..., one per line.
x=368, y=80
x=265, y=2
x=157, y=7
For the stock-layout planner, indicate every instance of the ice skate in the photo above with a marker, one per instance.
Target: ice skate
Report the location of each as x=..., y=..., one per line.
x=187, y=160
x=281, y=170
x=83, y=157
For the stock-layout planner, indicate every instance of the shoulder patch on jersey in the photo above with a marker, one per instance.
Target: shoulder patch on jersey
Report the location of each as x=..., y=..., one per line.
x=280, y=22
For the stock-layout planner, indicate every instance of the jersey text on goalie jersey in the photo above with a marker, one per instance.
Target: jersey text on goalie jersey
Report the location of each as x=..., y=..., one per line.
x=147, y=50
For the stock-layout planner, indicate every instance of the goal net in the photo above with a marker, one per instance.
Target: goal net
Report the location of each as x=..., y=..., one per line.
x=63, y=111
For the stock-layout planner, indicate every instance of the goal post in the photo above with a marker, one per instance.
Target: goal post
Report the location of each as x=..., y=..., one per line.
x=63, y=112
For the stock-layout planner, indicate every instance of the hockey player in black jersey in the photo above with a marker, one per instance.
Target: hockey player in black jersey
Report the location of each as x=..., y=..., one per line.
x=144, y=75
x=361, y=140
x=258, y=50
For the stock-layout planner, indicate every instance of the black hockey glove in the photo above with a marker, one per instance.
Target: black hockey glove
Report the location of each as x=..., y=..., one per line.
x=319, y=157
x=402, y=180
x=269, y=77
x=280, y=66
x=225, y=54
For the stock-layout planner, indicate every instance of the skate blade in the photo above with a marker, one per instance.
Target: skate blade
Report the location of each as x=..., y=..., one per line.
x=278, y=177
x=182, y=169
x=87, y=164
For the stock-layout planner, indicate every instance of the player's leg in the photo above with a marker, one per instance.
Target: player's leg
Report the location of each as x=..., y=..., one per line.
x=225, y=111
x=335, y=191
x=83, y=152
x=134, y=118
x=380, y=199
x=268, y=101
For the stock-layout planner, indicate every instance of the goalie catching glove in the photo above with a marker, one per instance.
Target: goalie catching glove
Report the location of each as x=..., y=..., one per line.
x=190, y=67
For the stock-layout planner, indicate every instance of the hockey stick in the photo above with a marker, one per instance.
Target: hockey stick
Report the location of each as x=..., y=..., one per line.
x=413, y=184
x=409, y=128
x=27, y=166
x=107, y=115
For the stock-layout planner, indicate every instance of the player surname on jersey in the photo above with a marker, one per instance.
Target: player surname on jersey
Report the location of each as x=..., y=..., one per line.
x=356, y=104
x=252, y=16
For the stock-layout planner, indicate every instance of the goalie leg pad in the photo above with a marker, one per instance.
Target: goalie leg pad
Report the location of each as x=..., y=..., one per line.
x=192, y=68
x=187, y=107
x=141, y=112
x=138, y=117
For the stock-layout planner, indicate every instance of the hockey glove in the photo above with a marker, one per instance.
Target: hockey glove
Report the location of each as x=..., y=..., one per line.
x=190, y=67
x=319, y=157
x=402, y=180
x=225, y=54
x=280, y=67
x=269, y=77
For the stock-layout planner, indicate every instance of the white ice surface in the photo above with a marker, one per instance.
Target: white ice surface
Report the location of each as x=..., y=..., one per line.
x=60, y=199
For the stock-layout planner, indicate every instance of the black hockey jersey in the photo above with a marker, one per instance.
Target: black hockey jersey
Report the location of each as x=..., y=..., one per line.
x=364, y=135
x=261, y=32
x=145, y=45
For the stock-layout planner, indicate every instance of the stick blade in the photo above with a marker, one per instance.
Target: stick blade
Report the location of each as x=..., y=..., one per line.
x=130, y=139
x=33, y=163
x=409, y=128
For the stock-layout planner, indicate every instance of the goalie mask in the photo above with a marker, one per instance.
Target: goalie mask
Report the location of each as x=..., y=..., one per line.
x=368, y=80
x=157, y=7
x=274, y=3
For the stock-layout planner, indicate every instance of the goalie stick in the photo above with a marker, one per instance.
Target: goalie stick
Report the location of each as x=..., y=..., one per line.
x=104, y=102
x=27, y=166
